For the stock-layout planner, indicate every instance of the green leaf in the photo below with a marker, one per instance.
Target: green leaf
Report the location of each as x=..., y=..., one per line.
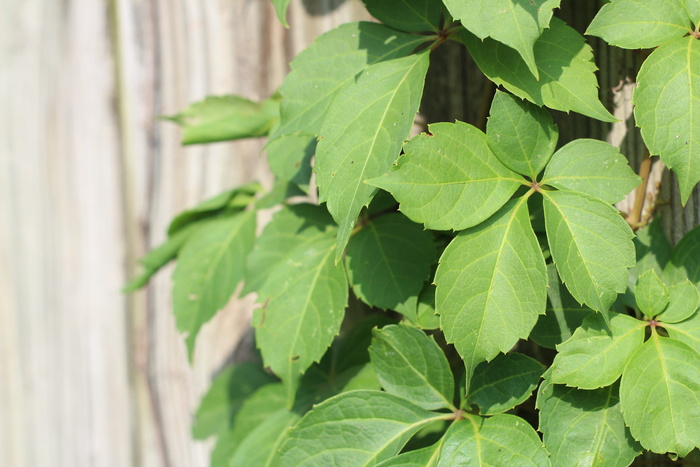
x=158, y=257
x=684, y=299
x=500, y=440
x=685, y=259
x=425, y=457
x=693, y=8
x=388, y=260
x=362, y=135
x=584, y=428
x=304, y=294
x=425, y=313
x=224, y=203
x=504, y=383
x=281, y=11
x=260, y=447
x=653, y=250
x=515, y=23
x=596, y=355
x=209, y=267
x=651, y=294
x=591, y=245
x=660, y=396
x=592, y=167
x=289, y=157
x=230, y=388
x=332, y=61
x=564, y=314
x=262, y=404
x=407, y=15
x=522, y=135
x=449, y=178
x=666, y=108
x=225, y=118
x=358, y=428
x=640, y=24
x=565, y=63
x=687, y=331
x=491, y=285
x=411, y=365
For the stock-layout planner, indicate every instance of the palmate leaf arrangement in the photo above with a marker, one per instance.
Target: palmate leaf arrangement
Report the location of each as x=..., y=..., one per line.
x=405, y=320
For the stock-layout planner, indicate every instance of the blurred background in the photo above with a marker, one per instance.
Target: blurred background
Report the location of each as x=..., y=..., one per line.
x=89, y=179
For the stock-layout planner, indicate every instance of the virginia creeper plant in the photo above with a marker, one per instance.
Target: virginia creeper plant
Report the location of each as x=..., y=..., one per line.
x=461, y=297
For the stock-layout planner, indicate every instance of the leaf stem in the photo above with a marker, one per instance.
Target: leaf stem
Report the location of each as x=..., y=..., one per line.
x=635, y=217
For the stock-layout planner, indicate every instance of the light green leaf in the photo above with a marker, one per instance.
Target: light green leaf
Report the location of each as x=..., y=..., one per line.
x=499, y=441
x=660, y=396
x=357, y=428
x=684, y=299
x=161, y=255
x=262, y=404
x=289, y=157
x=596, y=355
x=224, y=203
x=260, y=447
x=515, y=23
x=425, y=457
x=592, y=167
x=303, y=293
x=685, y=259
x=491, y=285
x=209, y=267
x=449, y=178
x=504, y=383
x=333, y=60
x=687, y=331
x=565, y=63
x=281, y=11
x=651, y=294
x=362, y=136
x=591, y=245
x=425, y=313
x=564, y=314
x=407, y=15
x=522, y=135
x=640, y=24
x=230, y=388
x=693, y=8
x=653, y=250
x=666, y=108
x=224, y=118
x=411, y=365
x=388, y=260
x=584, y=428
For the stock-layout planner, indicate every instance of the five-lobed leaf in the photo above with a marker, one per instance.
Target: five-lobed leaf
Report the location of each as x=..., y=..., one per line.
x=591, y=245
x=565, y=63
x=449, y=178
x=210, y=266
x=667, y=103
x=388, y=260
x=592, y=167
x=660, y=396
x=303, y=292
x=407, y=15
x=411, y=365
x=505, y=382
x=362, y=135
x=596, y=355
x=584, y=428
x=358, y=428
x=224, y=118
x=515, y=23
x=522, y=135
x=491, y=285
x=500, y=440
x=640, y=24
